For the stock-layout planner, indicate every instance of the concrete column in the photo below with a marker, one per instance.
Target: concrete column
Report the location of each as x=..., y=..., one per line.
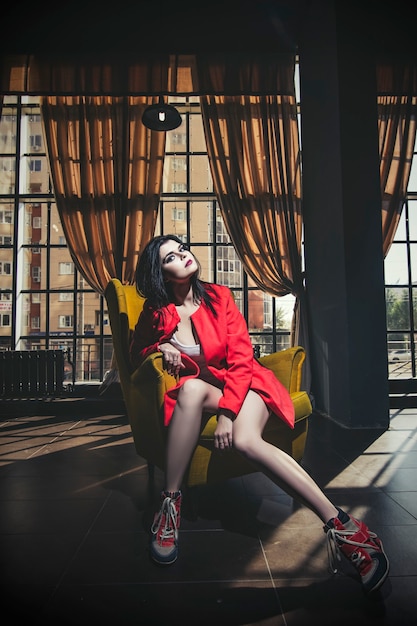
x=342, y=211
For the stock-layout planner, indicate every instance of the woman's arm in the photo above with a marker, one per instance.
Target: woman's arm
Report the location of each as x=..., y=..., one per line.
x=145, y=338
x=154, y=327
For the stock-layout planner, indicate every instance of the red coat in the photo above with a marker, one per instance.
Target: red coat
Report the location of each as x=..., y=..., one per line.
x=228, y=350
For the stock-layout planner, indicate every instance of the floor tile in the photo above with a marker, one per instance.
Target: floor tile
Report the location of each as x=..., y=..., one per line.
x=337, y=600
x=205, y=604
x=40, y=517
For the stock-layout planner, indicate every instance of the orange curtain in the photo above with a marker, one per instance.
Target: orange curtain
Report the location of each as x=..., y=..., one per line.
x=106, y=170
x=397, y=134
x=397, y=124
x=254, y=156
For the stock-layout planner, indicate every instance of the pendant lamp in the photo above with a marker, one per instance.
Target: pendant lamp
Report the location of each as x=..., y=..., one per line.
x=161, y=116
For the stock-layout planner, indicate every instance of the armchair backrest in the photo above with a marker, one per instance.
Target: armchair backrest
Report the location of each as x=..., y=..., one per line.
x=124, y=305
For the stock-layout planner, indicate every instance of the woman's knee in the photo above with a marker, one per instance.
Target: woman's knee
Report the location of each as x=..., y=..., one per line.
x=244, y=441
x=192, y=391
x=249, y=425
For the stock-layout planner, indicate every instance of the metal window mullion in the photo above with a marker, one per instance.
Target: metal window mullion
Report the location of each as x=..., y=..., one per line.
x=13, y=336
x=75, y=322
x=214, y=238
x=101, y=339
x=245, y=295
x=48, y=278
x=410, y=291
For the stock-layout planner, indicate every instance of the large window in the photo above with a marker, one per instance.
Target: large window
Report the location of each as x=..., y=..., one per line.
x=401, y=288
x=46, y=304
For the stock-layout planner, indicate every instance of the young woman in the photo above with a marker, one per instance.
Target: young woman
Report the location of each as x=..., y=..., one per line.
x=205, y=342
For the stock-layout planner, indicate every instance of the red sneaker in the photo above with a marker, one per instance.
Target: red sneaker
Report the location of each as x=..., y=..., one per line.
x=362, y=547
x=164, y=544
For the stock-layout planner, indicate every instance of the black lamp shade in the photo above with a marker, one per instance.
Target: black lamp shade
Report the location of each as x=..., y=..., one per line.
x=161, y=116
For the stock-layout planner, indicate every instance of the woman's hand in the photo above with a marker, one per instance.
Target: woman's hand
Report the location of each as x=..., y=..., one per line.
x=172, y=358
x=223, y=435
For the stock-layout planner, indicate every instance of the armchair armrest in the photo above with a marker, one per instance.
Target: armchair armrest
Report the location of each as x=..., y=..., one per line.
x=151, y=372
x=287, y=366
x=143, y=392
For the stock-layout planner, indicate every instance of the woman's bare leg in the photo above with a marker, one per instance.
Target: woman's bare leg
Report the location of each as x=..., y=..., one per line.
x=194, y=397
x=275, y=463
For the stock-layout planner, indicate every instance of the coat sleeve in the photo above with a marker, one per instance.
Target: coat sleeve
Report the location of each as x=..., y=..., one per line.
x=239, y=358
x=146, y=337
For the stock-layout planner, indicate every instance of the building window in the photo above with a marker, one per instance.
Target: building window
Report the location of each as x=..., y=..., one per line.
x=66, y=296
x=179, y=188
x=5, y=268
x=65, y=321
x=178, y=163
x=35, y=142
x=35, y=165
x=224, y=265
x=178, y=215
x=179, y=139
x=6, y=217
x=8, y=165
x=36, y=274
x=66, y=268
x=4, y=319
x=35, y=322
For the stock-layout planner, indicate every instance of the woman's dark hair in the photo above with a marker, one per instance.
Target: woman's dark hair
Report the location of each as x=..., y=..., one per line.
x=149, y=278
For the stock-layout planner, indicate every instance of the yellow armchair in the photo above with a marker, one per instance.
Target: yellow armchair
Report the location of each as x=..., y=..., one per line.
x=143, y=391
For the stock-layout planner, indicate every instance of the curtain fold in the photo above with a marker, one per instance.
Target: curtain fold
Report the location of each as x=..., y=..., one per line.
x=397, y=124
x=106, y=170
x=397, y=134
x=254, y=156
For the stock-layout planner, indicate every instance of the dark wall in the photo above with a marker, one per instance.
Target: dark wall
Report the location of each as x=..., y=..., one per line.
x=189, y=26
x=164, y=26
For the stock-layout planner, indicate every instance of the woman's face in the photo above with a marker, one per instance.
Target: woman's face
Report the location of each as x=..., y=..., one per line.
x=177, y=262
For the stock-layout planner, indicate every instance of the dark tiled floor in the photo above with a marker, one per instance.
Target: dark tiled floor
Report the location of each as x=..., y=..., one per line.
x=76, y=505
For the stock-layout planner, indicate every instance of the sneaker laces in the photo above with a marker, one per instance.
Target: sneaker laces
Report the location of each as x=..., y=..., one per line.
x=335, y=537
x=165, y=523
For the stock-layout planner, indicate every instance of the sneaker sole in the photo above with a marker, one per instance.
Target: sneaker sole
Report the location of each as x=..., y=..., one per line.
x=169, y=560
x=379, y=582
